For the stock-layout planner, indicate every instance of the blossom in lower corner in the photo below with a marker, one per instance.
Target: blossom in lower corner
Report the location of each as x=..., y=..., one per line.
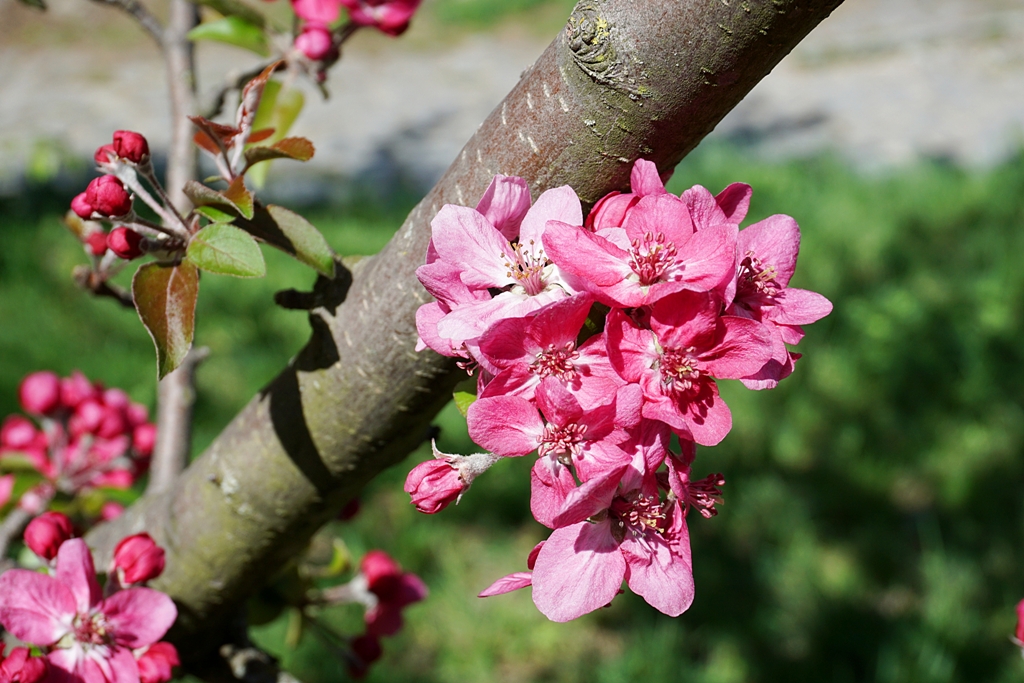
x=1018, y=635
x=156, y=662
x=390, y=16
x=393, y=589
x=88, y=638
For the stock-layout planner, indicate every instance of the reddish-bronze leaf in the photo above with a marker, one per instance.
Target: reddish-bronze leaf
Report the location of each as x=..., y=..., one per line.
x=261, y=135
x=216, y=131
x=204, y=141
x=165, y=297
x=297, y=148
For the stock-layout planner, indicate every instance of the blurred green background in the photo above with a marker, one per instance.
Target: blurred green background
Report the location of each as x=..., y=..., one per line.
x=873, y=528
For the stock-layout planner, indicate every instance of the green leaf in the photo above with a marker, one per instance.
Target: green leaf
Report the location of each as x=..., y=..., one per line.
x=215, y=215
x=226, y=250
x=165, y=297
x=464, y=395
x=235, y=8
x=233, y=30
x=292, y=234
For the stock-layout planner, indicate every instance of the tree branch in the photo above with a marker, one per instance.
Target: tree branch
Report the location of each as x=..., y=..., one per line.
x=625, y=79
x=176, y=396
x=182, y=158
x=146, y=20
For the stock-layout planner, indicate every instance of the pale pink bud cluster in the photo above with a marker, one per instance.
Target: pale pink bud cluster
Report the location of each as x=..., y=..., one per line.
x=87, y=634
x=594, y=342
x=83, y=436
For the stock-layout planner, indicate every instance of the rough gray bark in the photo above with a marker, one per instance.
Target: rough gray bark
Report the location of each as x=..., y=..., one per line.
x=624, y=79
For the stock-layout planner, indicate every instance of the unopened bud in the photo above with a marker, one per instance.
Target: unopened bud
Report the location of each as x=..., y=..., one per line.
x=75, y=389
x=81, y=206
x=39, y=393
x=435, y=484
x=156, y=662
x=102, y=155
x=20, y=667
x=131, y=146
x=97, y=243
x=315, y=42
x=139, y=557
x=125, y=242
x=17, y=433
x=111, y=510
x=45, y=534
x=143, y=439
x=1019, y=634
x=107, y=196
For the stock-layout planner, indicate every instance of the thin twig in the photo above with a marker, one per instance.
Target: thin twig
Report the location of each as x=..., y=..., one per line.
x=182, y=159
x=176, y=397
x=150, y=23
x=88, y=279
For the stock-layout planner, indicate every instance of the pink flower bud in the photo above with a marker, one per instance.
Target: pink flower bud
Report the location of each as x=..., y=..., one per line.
x=1019, y=634
x=379, y=570
x=75, y=389
x=126, y=243
x=434, y=485
x=19, y=667
x=116, y=398
x=107, y=196
x=131, y=146
x=143, y=439
x=45, y=534
x=139, y=557
x=88, y=417
x=136, y=414
x=39, y=393
x=102, y=155
x=390, y=16
x=156, y=662
x=111, y=510
x=17, y=433
x=315, y=42
x=81, y=206
x=97, y=243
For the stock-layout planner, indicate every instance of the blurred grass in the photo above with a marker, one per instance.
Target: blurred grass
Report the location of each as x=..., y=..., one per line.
x=874, y=522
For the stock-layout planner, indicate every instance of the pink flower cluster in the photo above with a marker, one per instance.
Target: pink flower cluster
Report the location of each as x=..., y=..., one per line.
x=1018, y=634
x=84, y=435
x=316, y=39
x=88, y=634
x=594, y=342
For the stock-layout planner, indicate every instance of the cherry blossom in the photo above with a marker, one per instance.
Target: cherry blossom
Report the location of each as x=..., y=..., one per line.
x=87, y=637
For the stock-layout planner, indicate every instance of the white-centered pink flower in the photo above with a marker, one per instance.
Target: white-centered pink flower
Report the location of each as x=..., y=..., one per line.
x=87, y=637
x=497, y=278
x=768, y=252
x=610, y=529
x=677, y=360
x=655, y=253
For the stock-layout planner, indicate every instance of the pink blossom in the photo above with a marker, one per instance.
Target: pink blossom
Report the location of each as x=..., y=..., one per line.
x=39, y=393
x=516, y=580
x=436, y=483
x=96, y=241
x=156, y=662
x=45, y=534
x=474, y=258
x=523, y=351
x=768, y=252
x=729, y=207
x=1019, y=633
x=90, y=638
x=677, y=360
x=390, y=16
x=82, y=208
x=611, y=528
x=394, y=590
x=19, y=667
x=111, y=510
x=566, y=435
x=366, y=650
x=656, y=253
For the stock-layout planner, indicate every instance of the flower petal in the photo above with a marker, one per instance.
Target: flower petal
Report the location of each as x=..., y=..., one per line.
x=139, y=616
x=660, y=568
x=578, y=570
x=34, y=607
x=507, y=584
x=557, y=204
x=76, y=571
x=504, y=204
